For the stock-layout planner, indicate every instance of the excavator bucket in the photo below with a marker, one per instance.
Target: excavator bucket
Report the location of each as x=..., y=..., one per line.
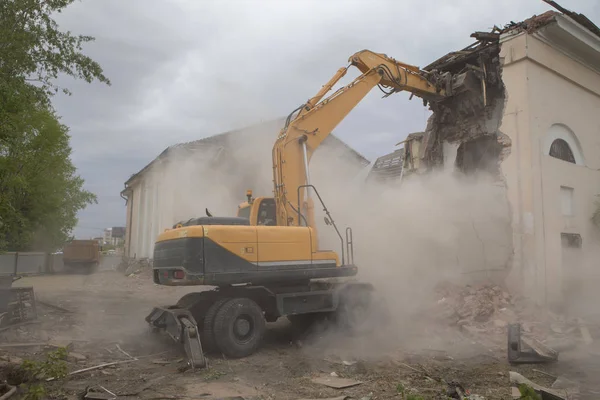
x=181, y=326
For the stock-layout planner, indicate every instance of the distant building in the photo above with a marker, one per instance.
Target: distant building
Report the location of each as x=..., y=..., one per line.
x=177, y=185
x=118, y=232
x=114, y=236
x=107, y=235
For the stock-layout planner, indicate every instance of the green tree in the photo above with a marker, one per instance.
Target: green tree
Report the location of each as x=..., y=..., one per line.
x=34, y=49
x=40, y=193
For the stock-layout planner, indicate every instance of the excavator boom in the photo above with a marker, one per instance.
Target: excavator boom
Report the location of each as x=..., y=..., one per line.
x=400, y=76
x=316, y=119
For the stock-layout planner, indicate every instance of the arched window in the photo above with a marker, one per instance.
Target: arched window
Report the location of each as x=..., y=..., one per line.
x=561, y=143
x=560, y=149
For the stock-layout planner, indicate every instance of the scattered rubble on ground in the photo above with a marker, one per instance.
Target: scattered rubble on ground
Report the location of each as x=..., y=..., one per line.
x=135, y=266
x=128, y=365
x=487, y=310
x=561, y=389
x=17, y=304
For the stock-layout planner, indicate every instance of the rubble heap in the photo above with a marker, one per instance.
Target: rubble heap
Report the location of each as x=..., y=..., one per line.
x=488, y=309
x=474, y=306
x=135, y=266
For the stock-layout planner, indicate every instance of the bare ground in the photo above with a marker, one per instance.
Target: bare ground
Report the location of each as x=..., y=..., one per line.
x=102, y=315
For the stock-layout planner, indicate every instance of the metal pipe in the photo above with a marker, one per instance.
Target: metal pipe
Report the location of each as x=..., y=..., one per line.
x=305, y=163
x=306, y=172
x=121, y=194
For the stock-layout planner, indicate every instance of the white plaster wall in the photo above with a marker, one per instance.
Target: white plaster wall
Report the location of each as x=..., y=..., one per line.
x=566, y=106
x=545, y=88
x=516, y=168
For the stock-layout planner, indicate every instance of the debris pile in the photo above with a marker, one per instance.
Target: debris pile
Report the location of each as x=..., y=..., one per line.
x=135, y=266
x=484, y=306
x=489, y=309
x=17, y=305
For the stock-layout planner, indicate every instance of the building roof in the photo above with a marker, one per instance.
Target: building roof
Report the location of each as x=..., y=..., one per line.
x=388, y=166
x=484, y=40
x=221, y=139
x=536, y=22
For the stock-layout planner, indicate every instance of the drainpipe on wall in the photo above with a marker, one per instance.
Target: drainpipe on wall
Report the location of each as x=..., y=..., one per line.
x=128, y=228
x=123, y=197
x=539, y=155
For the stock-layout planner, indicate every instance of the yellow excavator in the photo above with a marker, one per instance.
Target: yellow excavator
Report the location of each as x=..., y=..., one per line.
x=266, y=263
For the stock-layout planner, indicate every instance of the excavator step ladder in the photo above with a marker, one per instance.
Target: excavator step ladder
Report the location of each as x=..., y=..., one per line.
x=181, y=326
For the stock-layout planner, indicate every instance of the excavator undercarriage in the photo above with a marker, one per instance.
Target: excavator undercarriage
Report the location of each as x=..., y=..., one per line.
x=232, y=320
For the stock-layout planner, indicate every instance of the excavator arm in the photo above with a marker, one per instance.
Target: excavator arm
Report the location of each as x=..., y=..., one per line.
x=315, y=120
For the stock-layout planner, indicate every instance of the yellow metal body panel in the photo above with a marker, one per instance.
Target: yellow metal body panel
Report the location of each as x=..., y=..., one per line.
x=187, y=231
x=240, y=240
x=326, y=255
x=256, y=244
x=283, y=243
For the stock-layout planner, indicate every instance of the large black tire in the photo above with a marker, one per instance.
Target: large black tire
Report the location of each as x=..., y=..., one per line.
x=208, y=331
x=239, y=327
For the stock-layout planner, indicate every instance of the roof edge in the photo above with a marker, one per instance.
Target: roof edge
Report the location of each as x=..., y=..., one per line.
x=166, y=151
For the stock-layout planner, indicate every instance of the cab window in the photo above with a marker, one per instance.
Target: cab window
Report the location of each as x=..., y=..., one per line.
x=266, y=213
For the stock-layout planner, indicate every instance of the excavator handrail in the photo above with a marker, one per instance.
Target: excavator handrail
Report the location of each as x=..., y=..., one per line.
x=326, y=212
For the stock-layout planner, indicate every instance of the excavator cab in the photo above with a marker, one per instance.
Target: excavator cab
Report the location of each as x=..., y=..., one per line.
x=267, y=214
x=260, y=211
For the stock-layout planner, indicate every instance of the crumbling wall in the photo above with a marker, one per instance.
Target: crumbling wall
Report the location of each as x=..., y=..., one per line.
x=463, y=135
x=473, y=114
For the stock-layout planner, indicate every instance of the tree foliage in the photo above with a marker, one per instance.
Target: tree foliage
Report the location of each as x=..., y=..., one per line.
x=34, y=49
x=40, y=192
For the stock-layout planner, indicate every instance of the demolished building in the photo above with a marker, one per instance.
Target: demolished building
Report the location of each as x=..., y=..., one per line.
x=535, y=127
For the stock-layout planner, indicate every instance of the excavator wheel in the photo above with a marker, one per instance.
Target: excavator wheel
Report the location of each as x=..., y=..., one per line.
x=239, y=327
x=208, y=334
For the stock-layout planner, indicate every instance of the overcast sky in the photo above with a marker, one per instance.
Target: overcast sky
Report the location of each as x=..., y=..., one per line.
x=186, y=69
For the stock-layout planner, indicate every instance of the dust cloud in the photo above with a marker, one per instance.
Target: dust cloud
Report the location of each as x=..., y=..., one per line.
x=411, y=236
x=214, y=175
x=407, y=237
x=581, y=280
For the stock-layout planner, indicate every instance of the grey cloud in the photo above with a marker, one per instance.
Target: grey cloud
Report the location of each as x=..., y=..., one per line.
x=185, y=69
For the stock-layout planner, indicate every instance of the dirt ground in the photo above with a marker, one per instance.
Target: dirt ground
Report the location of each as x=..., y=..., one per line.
x=102, y=316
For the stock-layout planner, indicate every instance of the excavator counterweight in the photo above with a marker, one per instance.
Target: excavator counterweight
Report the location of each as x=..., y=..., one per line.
x=265, y=262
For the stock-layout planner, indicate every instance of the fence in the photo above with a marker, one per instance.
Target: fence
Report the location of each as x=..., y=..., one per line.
x=35, y=263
